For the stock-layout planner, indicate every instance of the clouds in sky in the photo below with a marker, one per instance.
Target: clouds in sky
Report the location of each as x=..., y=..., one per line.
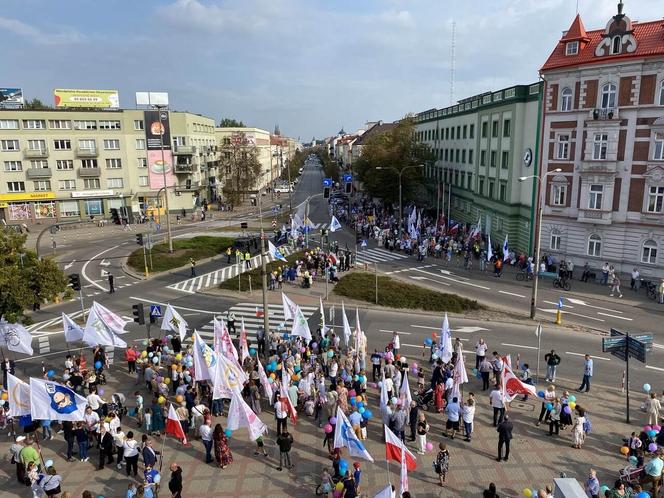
x=310, y=65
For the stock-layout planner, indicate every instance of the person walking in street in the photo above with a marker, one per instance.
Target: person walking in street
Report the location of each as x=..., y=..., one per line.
x=468, y=416
x=422, y=431
x=496, y=402
x=554, y=417
x=552, y=362
x=653, y=406
x=615, y=287
x=285, y=443
x=605, y=274
x=192, y=264
x=497, y=365
x=111, y=286
x=485, y=372
x=635, y=281
x=652, y=473
x=131, y=355
x=130, y=453
x=205, y=432
x=222, y=453
x=587, y=373
x=175, y=483
x=453, y=414
x=442, y=463
x=105, y=443
x=247, y=260
x=413, y=417
x=229, y=253
x=504, y=430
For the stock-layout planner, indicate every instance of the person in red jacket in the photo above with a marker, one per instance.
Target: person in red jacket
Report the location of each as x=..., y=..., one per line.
x=131, y=355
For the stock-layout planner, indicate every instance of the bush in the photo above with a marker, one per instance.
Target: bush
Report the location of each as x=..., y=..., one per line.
x=395, y=294
x=197, y=247
x=255, y=274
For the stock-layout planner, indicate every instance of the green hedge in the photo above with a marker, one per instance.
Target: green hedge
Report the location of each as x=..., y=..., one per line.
x=200, y=247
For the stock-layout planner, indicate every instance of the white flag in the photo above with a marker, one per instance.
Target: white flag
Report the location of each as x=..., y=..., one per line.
x=222, y=340
x=300, y=325
x=347, y=331
x=73, y=332
x=18, y=396
x=506, y=250
x=268, y=389
x=334, y=224
x=275, y=252
x=459, y=376
x=53, y=401
x=97, y=333
x=322, y=317
x=113, y=321
x=174, y=322
x=289, y=307
x=538, y=330
x=403, y=481
x=244, y=346
x=205, y=359
x=384, y=400
x=241, y=415
x=344, y=436
x=385, y=493
x=227, y=378
x=445, y=341
x=404, y=391
x=15, y=337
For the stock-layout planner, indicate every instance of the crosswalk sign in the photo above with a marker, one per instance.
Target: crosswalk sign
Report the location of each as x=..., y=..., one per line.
x=155, y=310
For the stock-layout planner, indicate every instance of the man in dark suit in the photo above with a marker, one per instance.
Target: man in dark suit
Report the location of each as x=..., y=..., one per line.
x=149, y=454
x=504, y=430
x=105, y=447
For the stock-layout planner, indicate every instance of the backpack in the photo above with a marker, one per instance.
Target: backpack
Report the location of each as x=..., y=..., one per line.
x=587, y=426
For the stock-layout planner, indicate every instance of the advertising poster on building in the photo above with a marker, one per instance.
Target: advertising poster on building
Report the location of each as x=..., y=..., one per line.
x=11, y=97
x=98, y=99
x=157, y=167
x=155, y=128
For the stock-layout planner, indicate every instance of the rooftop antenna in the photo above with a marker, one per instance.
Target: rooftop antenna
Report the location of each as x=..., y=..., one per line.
x=577, y=7
x=453, y=62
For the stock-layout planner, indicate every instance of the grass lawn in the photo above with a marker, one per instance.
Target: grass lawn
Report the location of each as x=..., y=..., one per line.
x=232, y=284
x=197, y=247
x=396, y=294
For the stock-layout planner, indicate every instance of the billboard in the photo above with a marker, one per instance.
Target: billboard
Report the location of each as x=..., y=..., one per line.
x=100, y=99
x=156, y=126
x=157, y=167
x=11, y=96
x=152, y=98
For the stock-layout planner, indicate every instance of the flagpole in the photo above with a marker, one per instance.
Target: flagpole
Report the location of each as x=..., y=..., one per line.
x=539, y=344
x=39, y=449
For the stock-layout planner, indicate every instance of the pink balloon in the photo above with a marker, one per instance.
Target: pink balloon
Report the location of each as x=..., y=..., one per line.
x=328, y=428
x=429, y=446
x=657, y=427
x=351, y=393
x=415, y=365
x=302, y=350
x=646, y=428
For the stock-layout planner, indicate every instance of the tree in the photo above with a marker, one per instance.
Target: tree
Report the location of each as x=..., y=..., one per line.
x=240, y=165
x=24, y=278
x=231, y=123
x=394, y=150
x=35, y=105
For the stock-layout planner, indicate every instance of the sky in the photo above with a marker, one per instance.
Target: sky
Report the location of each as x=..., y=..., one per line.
x=310, y=66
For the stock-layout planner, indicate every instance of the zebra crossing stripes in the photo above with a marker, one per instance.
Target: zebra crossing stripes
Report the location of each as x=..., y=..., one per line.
x=378, y=255
x=319, y=226
x=44, y=344
x=194, y=284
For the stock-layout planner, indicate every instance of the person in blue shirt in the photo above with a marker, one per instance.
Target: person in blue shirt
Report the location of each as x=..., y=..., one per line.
x=587, y=373
x=592, y=484
x=357, y=475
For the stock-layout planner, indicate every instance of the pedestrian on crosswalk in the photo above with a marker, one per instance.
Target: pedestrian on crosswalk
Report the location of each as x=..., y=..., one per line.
x=111, y=286
x=231, y=323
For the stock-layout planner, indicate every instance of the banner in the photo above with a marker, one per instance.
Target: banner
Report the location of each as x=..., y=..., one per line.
x=444, y=351
x=156, y=167
x=241, y=415
x=205, y=359
x=289, y=307
x=15, y=337
x=174, y=322
x=98, y=99
x=300, y=325
x=97, y=333
x=18, y=396
x=347, y=331
x=344, y=436
x=53, y=401
x=72, y=331
x=11, y=96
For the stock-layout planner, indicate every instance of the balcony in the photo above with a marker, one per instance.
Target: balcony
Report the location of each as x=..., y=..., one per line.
x=609, y=114
x=183, y=168
x=89, y=172
x=36, y=153
x=187, y=186
x=184, y=150
x=87, y=152
x=595, y=216
x=39, y=173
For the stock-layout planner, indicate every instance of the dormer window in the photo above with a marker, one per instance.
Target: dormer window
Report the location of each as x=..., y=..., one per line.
x=616, y=45
x=572, y=48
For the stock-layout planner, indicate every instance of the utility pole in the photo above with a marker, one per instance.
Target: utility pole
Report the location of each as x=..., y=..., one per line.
x=266, y=320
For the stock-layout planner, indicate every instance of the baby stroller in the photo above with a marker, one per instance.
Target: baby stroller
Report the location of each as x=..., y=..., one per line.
x=425, y=400
x=630, y=476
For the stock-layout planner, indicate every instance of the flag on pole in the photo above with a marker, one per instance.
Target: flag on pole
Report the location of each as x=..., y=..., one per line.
x=404, y=391
x=403, y=477
x=275, y=252
x=15, y=337
x=334, y=224
x=72, y=330
x=300, y=325
x=113, y=321
x=174, y=322
x=538, y=330
x=385, y=493
x=454, y=230
x=347, y=331
x=174, y=426
x=289, y=307
x=18, y=393
x=53, y=401
x=285, y=381
x=344, y=436
x=393, y=448
x=445, y=342
x=244, y=346
x=506, y=250
x=323, y=327
x=268, y=388
x=241, y=415
x=205, y=359
x=489, y=249
x=222, y=340
x=512, y=386
x=97, y=333
x=560, y=303
x=459, y=376
x=384, y=399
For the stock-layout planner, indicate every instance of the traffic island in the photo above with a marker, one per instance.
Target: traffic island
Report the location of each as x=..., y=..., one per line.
x=391, y=293
x=251, y=280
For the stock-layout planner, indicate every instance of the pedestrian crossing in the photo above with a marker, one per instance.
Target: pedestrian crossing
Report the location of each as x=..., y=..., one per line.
x=248, y=311
x=194, y=284
x=378, y=255
x=44, y=344
x=319, y=226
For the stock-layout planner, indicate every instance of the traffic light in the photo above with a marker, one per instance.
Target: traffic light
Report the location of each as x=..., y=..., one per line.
x=139, y=314
x=326, y=192
x=139, y=239
x=75, y=281
x=348, y=187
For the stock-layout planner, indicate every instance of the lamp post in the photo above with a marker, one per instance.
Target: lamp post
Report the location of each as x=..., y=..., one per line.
x=400, y=172
x=538, y=235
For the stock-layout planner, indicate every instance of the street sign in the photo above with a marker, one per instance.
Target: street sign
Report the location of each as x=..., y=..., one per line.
x=612, y=343
x=348, y=177
x=155, y=310
x=244, y=225
x=327, y=182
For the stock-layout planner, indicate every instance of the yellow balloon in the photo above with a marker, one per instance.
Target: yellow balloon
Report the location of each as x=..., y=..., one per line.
x=358, y=398
x=4, y=396
x=340, y=486
x=527, y=493
x=178, y=357
x=167, y=380
x=161, y=400
x=572, y=405
x=624, y=450
x=144, y=354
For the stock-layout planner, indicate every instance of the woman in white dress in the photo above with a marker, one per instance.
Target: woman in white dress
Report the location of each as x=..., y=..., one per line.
x=577, y=429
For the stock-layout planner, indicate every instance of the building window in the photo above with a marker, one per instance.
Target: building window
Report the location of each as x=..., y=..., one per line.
x=649, y=252
x=458, y=132
x=594, y=245
x=452, y=132
x=558, y=194
x=88, y=163
x=456, y=177
x=13, y=166
x=595, y=195
x=566, y=99
x=505, y=159
x=562, y=146
x=67, y=184
x=446, y=155
x=87, y=144
x=600, y=145
x=661, y=93
x=494, y=129
x=15, y=186
x=39, y=164
x=59, y=124
x=8, y=124
x=140, y=144
x=502, y=194
x=480, y=187
x=42, y=185
x=507, y=127
x=112, y=144
x=34, y=124
x=463, y=156
x=482, y=158
x=554, y=243
x=114, y=163
x=490, y=193
x=114, y=183
x=465, y=131
x=658, y=154
x=608, y=96
x=9, y=145
x=142, y=162
x=91, y=183
x=142, y=181
x=456, y=154
x=469, y=178
x=180, y=141
x=138, y=125
x=62, y=144
x=494, y=156
x=485, y=128
x=39, y=145
x=572, y=48
x=470, y=156
x=109, y=125
x=471, y=133
x=69, y=209
x=655, y=200
x=85, y=125
x=64, y=165
x=616, y=45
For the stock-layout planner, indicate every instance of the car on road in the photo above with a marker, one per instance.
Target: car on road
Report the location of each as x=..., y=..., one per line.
x=300, y=170
x=284, y=189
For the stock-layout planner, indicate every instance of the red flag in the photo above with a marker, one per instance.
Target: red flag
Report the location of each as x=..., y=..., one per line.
x=173, y=425
x=393, y=448
x=513, y=386
x=454, y=230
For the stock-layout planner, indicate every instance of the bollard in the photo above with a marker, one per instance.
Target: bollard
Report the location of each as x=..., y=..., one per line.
x=559, y=317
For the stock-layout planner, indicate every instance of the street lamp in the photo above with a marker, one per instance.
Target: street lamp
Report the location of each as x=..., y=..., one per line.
x=400, y=172
x=538, y=235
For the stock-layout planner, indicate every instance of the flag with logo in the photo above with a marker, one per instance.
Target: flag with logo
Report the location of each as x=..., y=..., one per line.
x=113, y=321
x=275, y=252
x=393, y=450
x=347, y=331
x=18, y=393
x=289, y=307
x=174, y=322
x=506, y=250
x=512, y=386
x=404, y=391
x=228, y=377
x=241, y=415
x=268, y=388
x=174, y=426
x=300, y=325
x=73, y=332
x=244, y=346
x=334, y=224
x=15, y=337
x=53, y=401
x=205, y=359
x=384, y=399
x=285, y=384
x=97, y=333
x=459, y=376
x=384, y=493
x=222, y=340
x=323, y=327
x=344, y=436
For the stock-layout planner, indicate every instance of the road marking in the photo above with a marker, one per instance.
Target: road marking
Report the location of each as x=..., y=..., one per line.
x=658, y=346
x=468, y=330
x=85, y=265
x=614, y=316
x=70, y=264
x=432, y=279
x=517, y=346
x=425, y=327
x=392, y=331
x=454, y=280
x=570, y=313
x=655, y=368
x=414, y=345
x=511, y=294
x=583, y=303
x=596, y=357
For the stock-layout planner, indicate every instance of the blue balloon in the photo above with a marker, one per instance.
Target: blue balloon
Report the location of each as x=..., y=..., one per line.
x=367, y=414
x=643, y=494
x=157, y=479
x=228, y=432
x=97, y=364
x=549, y=406
x=360, y=405
x=343, y=464
x=285, y=335
x=353, y=402
x=540, y=394
x=652, y=433
x=252, y=352
x=428, y=342
x=50, y=373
